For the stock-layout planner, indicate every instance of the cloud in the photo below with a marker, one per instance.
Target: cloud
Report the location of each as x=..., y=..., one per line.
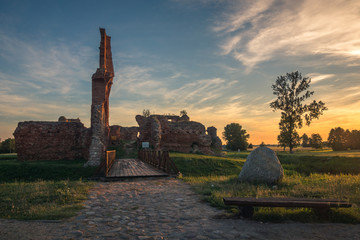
x=177, y=75
x=44, y=81
x=317, y=77
x=51, y=68
x=135, y=80
x=257, y=31
x=140, y=87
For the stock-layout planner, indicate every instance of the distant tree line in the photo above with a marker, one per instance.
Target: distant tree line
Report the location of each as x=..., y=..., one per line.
x=340, y=139
x=7, y=146
x=315, y=141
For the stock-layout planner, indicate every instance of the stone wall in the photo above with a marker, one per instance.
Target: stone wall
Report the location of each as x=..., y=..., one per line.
x=215, y=140
x=118, y=133
x=102, y=81
x=175, y=133
x=51, y=140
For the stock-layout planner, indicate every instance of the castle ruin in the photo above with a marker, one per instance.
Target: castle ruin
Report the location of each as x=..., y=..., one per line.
x=102, y=81
x=68, y=139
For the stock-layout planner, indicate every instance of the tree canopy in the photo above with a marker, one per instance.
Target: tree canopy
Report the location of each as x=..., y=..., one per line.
x=291, y=91
x=316, y=141
x=305, y=140
x=7, y=146
x=339, y=139
x=183, y=112
x=146, y=112
x=235, y=137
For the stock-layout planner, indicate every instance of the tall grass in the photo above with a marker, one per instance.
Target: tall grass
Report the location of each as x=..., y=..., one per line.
x=42, y=199
x=42, y=189
x=305, y=177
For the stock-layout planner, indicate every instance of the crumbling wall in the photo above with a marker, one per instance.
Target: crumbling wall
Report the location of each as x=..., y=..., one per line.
x=64, y=119
x=102, y=81
x=215, y=140
x=118, y=133
x=51, y=140
x=174, y=133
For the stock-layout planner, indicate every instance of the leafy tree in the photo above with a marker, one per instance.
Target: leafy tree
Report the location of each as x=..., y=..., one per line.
x=347, y=139
x=183, y=112
x=355, y=139
x=235, y=137
x=316, y=141
x=337, y=139
x=146, y=112
x=287, y=138
x=305, y=140
x=291, y=91
x=250, y=146
x=7, y=146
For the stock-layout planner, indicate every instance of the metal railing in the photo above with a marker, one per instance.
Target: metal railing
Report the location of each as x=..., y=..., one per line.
x=159, y=159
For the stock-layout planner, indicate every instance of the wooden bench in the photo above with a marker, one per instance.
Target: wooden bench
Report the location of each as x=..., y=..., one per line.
x=321, y=206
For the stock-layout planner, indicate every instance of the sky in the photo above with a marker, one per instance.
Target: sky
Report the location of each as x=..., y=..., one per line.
x=215, y=59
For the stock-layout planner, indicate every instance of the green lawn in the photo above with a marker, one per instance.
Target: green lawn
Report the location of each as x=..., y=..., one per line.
x=42, y=199
x=56, y=189
x=307, y=175
x=42, y=189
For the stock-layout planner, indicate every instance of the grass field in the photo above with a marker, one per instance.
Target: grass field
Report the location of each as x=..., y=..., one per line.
x=42, y=189
x=308, y=174
x=56, y=189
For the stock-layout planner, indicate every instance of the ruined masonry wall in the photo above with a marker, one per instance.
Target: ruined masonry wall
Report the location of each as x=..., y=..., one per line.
x=177, y=134
x=102, y=81
x=118, y=133
x=52, y=140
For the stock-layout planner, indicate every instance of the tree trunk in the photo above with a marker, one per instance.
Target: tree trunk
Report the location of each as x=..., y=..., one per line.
x=291, y=135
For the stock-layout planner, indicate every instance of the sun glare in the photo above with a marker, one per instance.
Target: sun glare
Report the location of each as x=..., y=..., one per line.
x=355, y=52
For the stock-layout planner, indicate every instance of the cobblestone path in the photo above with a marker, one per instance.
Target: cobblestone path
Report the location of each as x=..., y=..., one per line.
x=161, y=209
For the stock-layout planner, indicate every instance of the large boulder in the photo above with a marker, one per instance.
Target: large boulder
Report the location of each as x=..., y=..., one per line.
x=262, y=165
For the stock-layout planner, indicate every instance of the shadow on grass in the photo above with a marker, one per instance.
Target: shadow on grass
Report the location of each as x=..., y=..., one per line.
x=13, y=169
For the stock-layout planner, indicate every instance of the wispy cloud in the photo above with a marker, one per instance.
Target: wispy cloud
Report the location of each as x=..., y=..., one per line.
x=44, y=81
x=317, y=77
x=143, y=81
x=257, y=31
x=54, y=68
x=136, y=80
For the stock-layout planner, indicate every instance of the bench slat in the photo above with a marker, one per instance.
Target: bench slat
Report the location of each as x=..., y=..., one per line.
x=286, y=202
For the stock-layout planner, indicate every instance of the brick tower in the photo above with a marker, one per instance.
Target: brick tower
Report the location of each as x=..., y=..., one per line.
x=102, y=81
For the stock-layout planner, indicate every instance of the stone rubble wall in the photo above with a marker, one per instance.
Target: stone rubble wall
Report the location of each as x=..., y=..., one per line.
x=119, y=133
x=215, y=140
x=37, y=140
x=175, y=134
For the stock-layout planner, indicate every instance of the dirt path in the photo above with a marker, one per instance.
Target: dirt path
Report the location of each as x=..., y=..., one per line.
x=161, y=209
